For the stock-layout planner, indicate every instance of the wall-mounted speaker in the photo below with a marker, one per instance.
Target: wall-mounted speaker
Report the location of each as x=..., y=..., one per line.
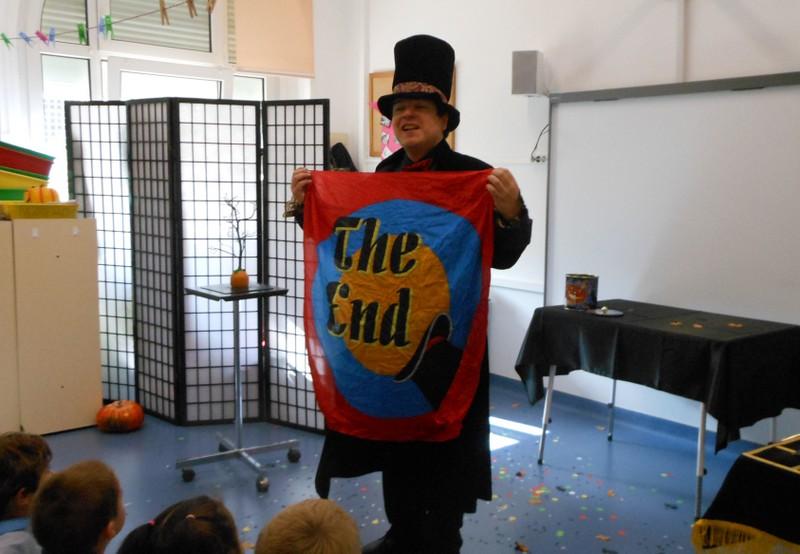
x=527, y=73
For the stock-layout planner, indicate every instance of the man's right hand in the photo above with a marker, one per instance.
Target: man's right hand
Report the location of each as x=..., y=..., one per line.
x=301, y=177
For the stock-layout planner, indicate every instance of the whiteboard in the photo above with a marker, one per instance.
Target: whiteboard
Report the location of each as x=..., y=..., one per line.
x=690, y=200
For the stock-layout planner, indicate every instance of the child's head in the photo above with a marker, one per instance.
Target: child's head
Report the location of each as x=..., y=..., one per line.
x=313, y=526
x=24, y=459
x=78, y=510
x=200, y=525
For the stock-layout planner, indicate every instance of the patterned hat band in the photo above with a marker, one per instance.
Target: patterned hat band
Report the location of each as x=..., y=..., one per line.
x=416, y=86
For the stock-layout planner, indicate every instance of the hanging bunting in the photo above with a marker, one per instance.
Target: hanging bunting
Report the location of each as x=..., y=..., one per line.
x=83, y=38
x=164, y=15
x=105, y=25
x=109, y=26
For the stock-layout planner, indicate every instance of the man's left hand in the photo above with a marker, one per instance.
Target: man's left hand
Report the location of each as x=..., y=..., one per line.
x=505, y=193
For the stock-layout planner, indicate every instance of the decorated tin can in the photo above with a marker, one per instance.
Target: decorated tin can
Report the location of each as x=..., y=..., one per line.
x=581, y=291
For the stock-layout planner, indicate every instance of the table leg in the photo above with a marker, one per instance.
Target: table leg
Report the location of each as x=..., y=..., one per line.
x=237, y=377
x=611, y=410
x=701, y=462
x=548, y=403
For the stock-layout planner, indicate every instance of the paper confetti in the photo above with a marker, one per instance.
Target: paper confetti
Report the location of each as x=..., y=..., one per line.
x=604, y=538
x=519, y=547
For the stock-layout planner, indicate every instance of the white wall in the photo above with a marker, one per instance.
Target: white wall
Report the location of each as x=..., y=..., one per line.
x=338, y=62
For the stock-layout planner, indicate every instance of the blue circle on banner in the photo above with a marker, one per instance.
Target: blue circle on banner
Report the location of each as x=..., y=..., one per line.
x=456, y=244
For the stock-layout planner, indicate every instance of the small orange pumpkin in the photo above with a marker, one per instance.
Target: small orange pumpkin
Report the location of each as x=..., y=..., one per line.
x=120, y=416
x=39, y=195
x=240, y=279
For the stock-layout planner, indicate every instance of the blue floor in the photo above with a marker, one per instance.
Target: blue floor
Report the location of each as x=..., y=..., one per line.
x=632, y=495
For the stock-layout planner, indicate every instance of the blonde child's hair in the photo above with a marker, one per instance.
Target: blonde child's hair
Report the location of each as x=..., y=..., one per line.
x=315, y=526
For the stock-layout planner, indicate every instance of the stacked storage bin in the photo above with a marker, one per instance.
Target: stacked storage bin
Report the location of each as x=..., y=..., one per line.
x=23, y=185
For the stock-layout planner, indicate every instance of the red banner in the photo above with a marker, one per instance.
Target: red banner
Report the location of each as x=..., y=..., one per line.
x=397, y=269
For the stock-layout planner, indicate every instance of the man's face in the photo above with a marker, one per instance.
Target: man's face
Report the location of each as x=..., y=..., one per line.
x=417, y=125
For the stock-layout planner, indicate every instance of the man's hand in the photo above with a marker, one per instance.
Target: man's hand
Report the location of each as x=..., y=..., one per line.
x=505, y=193
x=301, y=177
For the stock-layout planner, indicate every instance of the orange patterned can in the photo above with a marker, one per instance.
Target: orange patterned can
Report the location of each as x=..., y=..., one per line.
x=581, y=291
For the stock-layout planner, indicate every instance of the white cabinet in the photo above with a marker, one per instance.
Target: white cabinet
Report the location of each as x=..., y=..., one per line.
x=50, y=376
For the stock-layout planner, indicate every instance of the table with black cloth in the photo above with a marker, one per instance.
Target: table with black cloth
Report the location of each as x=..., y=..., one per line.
x=741, y=370
x=755, y=509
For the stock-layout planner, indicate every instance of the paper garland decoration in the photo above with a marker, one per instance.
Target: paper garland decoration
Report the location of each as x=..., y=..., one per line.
x=105, y=25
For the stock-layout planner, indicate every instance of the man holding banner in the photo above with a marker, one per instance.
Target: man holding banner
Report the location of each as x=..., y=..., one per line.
x=397, y=270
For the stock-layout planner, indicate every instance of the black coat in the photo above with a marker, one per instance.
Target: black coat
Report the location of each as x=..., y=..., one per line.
x=460, y=467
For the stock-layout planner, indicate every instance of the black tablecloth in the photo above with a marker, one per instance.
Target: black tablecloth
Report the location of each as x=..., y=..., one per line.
x=743, y=369
x=759, y=495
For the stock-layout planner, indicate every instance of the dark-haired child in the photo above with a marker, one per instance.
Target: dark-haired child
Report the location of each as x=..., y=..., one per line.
x=24, y=461
x=78, y=510
x=199, y=525
x=314, y=526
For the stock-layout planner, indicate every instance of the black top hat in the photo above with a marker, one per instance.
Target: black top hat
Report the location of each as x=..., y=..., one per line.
x=423, y=68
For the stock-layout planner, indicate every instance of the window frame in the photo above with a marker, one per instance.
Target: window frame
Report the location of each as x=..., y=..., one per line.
x=117, y=65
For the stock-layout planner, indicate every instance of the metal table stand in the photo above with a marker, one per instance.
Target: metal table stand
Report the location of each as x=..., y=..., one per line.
x=228, y=449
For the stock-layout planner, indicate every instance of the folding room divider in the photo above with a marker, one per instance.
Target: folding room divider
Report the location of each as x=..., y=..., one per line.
x=160, y=176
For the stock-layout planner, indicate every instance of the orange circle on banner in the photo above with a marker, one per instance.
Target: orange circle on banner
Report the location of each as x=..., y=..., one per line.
x=382, y=301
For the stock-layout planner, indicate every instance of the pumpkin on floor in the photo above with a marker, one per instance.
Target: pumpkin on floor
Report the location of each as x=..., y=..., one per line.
x=120, y=416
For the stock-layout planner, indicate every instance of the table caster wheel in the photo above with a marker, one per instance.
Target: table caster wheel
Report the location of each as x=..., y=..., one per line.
x=187, y=475
x=293, y=455
x=262, y=483
x=222, y=448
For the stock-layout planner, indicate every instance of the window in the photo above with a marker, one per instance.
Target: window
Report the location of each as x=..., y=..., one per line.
x=249, y=88
x=134, y=84
x=63, y=78
x=64, y=16
x=139, y=21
